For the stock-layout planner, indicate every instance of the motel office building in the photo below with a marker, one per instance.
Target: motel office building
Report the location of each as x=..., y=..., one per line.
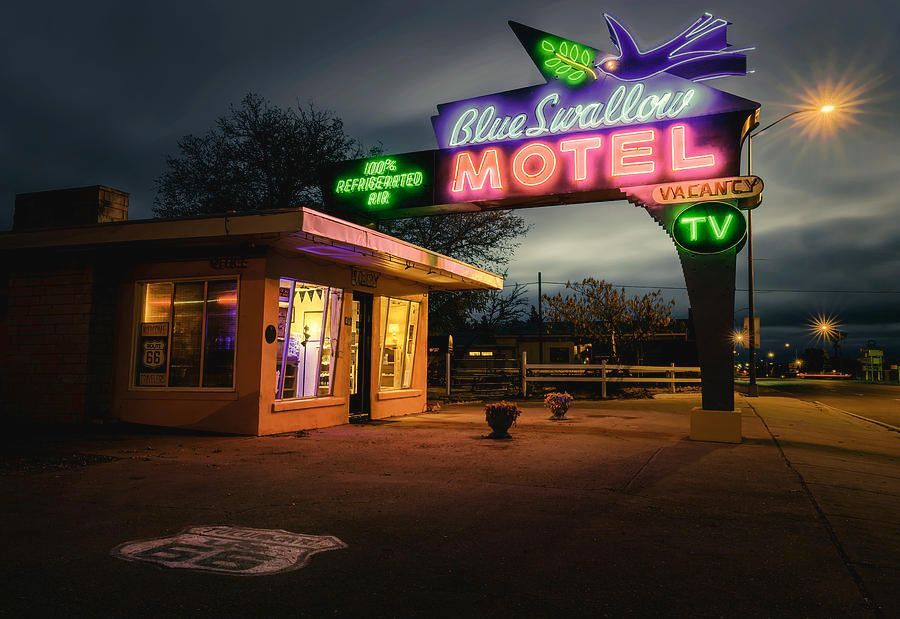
x=254, y=323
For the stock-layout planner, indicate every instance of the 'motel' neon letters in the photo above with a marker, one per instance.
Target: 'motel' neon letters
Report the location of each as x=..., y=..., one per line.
x=585, y=161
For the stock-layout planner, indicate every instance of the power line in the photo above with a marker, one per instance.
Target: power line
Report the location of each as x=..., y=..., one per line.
x=760, y=290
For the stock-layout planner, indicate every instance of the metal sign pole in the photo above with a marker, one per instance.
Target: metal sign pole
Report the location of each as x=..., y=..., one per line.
x=753, y=390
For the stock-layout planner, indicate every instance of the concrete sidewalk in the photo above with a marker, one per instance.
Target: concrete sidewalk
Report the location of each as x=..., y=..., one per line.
x=850, y=470
x=612, y=513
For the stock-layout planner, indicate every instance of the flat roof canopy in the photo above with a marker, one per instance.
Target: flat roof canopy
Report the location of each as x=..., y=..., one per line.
x=300, y=231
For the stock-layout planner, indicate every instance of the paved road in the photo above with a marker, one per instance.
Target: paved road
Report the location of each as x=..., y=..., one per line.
x=614, y=513
x=879, y=402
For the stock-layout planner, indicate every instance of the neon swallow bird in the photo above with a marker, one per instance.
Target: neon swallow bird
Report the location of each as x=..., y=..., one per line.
x=700, y=52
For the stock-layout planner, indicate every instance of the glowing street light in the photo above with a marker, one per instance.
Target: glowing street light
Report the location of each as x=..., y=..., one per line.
x=824, y=327
x=813, y=107
x=828, y=329
x=828, y=108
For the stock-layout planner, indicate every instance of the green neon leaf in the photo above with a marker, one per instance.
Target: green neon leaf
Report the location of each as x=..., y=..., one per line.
x=567, y=60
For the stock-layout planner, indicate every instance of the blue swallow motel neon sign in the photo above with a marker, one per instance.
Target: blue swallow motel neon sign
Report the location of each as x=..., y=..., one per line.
x=600, y=126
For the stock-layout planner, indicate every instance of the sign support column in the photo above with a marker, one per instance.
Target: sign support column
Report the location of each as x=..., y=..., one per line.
x=709, y=274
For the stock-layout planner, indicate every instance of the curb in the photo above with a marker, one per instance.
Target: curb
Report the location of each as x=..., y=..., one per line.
x=840, y=410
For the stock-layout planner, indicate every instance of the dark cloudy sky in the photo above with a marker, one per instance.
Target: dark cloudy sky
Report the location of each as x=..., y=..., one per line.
x=99, y=92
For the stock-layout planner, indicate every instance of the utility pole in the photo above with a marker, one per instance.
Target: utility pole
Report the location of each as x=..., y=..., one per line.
x=540, y=321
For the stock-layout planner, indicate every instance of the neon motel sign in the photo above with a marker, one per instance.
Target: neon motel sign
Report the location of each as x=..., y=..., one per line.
x=709, y=227
x=626, y=105
x=602, y=127
x=635, y=124
x=383, y=183
x=578, y=163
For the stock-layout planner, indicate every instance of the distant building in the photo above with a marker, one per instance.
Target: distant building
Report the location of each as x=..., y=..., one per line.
x=872, y=362
x=677, y=346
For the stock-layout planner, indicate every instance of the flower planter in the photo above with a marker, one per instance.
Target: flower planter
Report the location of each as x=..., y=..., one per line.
x=558, y=403
x=501, y=416
x=559, y=414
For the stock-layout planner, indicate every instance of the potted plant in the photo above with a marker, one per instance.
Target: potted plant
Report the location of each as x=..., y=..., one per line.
x=558, y=403
x=500, y=416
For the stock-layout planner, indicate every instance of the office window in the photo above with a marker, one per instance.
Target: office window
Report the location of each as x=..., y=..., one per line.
x=400, y=322
x=309, y=325
x=220, y=334
x=187, y=333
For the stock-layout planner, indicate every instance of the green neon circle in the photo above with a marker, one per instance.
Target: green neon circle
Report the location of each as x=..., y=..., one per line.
x=709, y=227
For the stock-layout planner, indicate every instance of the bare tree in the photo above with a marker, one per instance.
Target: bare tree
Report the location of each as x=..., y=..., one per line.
x=487, y=239
x=260, y=156
x=503, y=308
x=257, y=157
x=598, y=311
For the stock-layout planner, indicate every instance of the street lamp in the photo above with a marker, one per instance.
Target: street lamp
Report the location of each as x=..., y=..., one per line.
x=828, y=329
x=825, y=327
x=827, y=108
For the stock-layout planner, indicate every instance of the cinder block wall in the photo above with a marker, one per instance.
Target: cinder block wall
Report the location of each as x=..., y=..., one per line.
x=69, y=207
x=59, y=328
x=58, y=312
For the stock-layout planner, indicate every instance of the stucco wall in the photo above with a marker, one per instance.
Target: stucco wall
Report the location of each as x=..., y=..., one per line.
x=230, y=411
x=293, y=415
x=251, y=408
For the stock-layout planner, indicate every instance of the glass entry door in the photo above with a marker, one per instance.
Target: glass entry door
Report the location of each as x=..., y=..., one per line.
x=360, y=356
x=309, y=321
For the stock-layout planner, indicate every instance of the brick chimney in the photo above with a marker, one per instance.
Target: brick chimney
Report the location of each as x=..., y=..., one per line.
x=69, y=207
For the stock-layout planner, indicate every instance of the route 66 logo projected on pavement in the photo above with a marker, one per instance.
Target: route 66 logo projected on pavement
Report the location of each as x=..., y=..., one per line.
x=238, y=551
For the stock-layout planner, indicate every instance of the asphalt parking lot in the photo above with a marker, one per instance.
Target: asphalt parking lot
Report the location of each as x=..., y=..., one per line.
x=612, y=513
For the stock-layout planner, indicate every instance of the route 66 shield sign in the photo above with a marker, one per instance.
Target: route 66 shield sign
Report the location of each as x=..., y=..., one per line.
x=154, y=354
x=237, y=551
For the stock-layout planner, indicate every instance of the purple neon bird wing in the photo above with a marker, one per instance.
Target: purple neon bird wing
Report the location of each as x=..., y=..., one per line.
x=707, y=34
x=701, y=51
x=622, y=39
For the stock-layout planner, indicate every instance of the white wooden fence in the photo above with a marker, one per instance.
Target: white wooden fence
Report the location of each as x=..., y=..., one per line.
x=604, y=373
